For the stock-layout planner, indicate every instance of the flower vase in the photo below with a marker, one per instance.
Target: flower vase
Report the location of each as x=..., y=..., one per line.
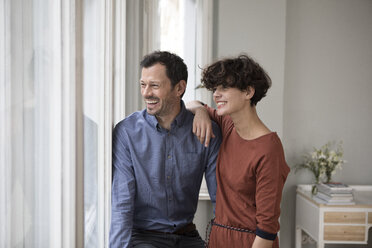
x=314, y=189
x=329, y=177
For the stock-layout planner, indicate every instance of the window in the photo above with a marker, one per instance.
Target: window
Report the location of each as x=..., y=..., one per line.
x=183, y=27
x=68, y=73
x=177, y=34
x=97, y=118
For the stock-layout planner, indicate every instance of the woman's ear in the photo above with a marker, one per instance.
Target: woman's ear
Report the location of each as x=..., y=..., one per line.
x=250, y=92
x=181, y=87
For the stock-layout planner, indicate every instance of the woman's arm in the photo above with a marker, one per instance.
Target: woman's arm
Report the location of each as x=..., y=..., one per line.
x=262, y=243
x=271, y=173
x=202, y=125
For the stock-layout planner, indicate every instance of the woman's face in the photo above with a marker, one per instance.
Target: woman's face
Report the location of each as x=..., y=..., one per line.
x=230, y=100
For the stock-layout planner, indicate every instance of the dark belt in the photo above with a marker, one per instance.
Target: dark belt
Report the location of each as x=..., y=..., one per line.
x=214, y=223
x=182, y=231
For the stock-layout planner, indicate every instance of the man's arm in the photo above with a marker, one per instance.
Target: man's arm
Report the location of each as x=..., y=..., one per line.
x=202, y=125
x=123, y=192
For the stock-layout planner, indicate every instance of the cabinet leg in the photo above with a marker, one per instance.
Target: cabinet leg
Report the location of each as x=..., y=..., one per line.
x=298, y=237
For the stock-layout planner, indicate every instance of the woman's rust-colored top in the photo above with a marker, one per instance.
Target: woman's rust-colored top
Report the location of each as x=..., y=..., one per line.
x=250, y=178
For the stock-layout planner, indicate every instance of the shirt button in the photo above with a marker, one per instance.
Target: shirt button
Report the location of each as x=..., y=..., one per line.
x=169, y=156
x=168, y=177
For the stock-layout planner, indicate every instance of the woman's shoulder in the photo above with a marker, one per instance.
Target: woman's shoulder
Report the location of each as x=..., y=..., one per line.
x=273, y=153
x=270, y=143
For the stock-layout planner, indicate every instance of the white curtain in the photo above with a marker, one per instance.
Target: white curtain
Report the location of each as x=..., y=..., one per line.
x=31, y=123
x=56, y=121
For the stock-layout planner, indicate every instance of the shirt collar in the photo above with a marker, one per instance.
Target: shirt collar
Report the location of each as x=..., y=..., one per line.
x=180, y=118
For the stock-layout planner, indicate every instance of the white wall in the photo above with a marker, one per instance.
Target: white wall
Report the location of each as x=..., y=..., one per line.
x=258, y=29
x=319, y=56
x=328, y=82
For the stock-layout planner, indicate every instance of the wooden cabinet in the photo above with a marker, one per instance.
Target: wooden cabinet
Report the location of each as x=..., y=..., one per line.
x=344, y=233
x=345, y=217
x=334, y=224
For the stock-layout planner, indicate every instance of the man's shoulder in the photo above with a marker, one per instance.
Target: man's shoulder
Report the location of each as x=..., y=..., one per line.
x=131, y=121
x=216, y=129
x=215, y=126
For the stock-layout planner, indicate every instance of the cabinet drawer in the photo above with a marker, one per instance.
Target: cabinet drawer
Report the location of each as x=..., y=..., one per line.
x=370, y=218
x=345, y=217
x=344, y=233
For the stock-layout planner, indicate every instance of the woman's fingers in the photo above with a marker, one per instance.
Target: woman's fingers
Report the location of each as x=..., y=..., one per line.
x=202, y=127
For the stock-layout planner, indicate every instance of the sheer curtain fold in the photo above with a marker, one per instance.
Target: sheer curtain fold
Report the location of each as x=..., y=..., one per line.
x=31, y=124
x=4, y=124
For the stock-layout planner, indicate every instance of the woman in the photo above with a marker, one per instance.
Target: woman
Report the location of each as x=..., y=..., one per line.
x=251, y=168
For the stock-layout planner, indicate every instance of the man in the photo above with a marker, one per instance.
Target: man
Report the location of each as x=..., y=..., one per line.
x=158, y=163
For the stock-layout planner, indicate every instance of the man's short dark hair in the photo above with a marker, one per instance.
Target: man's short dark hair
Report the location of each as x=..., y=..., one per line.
x=240, y=72
x=176, y=68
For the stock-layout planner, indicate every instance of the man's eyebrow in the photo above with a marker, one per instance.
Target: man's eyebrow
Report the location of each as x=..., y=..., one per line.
x=150, y=82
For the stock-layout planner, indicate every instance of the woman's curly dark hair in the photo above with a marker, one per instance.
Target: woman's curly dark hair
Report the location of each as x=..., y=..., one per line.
x=240, y=72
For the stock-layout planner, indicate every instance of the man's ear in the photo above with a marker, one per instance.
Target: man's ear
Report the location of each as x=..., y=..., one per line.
x=250, y=92
x=181, y=87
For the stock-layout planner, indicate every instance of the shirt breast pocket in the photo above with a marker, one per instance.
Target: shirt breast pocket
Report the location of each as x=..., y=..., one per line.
x=191, y=167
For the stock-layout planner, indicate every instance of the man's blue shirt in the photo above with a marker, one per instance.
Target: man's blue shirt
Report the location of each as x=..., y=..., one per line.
x=157, y=174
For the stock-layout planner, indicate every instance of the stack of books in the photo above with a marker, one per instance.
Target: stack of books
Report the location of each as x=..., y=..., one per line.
x=335, y=194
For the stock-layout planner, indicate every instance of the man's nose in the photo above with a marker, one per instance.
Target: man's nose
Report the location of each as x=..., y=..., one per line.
x=146, y=91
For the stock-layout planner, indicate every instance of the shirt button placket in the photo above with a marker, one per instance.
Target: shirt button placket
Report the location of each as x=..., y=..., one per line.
x=168, y=173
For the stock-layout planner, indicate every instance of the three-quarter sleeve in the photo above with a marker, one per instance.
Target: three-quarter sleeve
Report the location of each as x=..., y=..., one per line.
x=271, y=174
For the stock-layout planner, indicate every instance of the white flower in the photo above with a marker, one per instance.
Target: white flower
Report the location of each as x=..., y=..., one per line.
x=323, y=162
x=314, y=155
